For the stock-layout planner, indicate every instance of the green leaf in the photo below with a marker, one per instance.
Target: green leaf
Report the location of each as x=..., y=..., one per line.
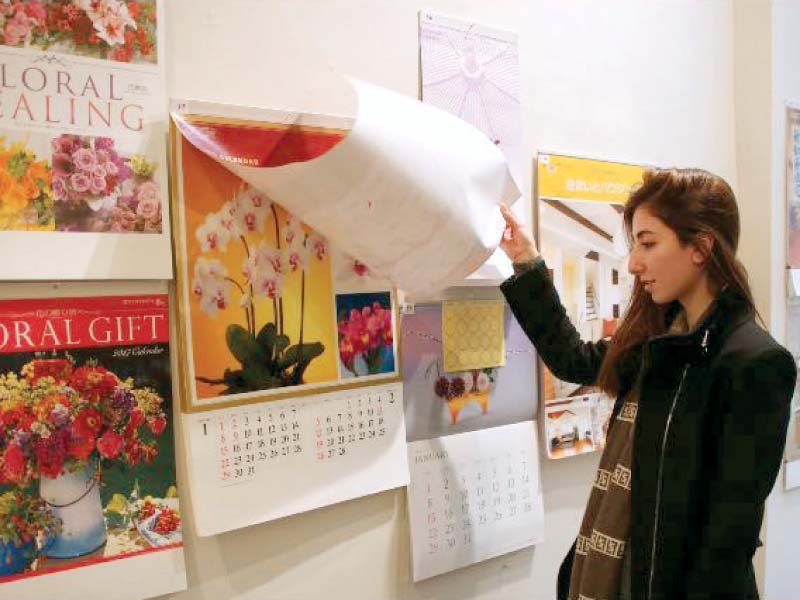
x=259, y=377
x=231, y=377
x=374, y=360
x=243, y=345
x=297, y=354
x=281, y=343
x=266, y=339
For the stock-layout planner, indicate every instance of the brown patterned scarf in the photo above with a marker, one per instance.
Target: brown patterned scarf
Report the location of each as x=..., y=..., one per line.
x=604, y=532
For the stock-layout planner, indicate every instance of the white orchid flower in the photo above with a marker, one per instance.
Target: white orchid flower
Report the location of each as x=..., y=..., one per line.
x=212, y=234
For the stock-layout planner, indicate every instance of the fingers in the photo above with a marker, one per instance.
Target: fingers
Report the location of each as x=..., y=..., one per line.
x=510, y=217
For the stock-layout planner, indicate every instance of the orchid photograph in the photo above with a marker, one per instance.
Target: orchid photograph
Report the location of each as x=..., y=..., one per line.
x=258, y=273
x=269, y=309
x=366, y=334
x=117, y=30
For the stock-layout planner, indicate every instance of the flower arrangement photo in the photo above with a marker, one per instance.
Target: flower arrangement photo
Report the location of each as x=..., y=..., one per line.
x=57, y=418
x=26, y=526
x=107, y=29
x=366, y=334
x=26, y=198
x=59, y=424
x=97, y=189
x=272, y=350
x=461, y=389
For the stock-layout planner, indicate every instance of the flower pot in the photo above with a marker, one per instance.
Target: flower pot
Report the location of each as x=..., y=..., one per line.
x=15, y=559
x=456, y=404
x=74, y=498
x=387, y=360
x=360, y=366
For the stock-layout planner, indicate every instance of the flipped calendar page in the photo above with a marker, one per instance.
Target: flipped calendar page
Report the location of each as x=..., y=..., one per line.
x=287, y=345
x=473, y=454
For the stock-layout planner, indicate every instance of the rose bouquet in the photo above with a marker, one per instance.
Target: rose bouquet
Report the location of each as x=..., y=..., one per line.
x=57, y=418
x=97, y=189
x=26, y=199
x=365, y=338
x=86, y=169
x=111, y=29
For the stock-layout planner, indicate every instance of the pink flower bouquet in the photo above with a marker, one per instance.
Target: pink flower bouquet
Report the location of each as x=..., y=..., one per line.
x=97, y=189
x=366, y=337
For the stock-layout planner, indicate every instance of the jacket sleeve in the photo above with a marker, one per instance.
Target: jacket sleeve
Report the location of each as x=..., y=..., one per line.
x=535, y=303
x=748, y=451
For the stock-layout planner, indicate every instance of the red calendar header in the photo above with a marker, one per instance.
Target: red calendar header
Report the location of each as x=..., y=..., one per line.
x=87, y=322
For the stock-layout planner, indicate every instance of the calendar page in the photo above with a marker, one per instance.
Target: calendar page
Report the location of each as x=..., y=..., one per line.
x=263, y=461
x=440, y=403
x=473, y=496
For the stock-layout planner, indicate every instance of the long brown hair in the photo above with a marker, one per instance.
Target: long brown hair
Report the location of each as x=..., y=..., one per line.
x=691, y=202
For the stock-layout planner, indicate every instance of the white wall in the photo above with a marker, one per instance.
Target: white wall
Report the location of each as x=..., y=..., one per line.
x=643, y=81
x=783, y=508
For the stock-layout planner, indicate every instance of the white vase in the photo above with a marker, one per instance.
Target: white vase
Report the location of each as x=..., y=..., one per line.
x=74, y=499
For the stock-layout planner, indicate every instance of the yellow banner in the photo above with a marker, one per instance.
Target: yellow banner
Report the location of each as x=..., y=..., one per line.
x=562, y=177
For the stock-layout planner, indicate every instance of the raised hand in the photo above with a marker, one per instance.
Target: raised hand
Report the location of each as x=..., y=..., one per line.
x=516, y=242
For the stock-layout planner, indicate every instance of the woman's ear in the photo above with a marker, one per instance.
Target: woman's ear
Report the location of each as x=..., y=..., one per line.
x=703, y=246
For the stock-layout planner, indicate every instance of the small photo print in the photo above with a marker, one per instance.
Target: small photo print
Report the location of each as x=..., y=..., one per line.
x=366, y=334
x=569, y=427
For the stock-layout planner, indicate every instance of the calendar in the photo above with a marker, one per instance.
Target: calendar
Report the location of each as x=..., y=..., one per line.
x=473, y=496
x=278, y=458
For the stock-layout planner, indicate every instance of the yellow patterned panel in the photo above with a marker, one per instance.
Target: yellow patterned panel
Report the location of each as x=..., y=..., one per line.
x=473, y=336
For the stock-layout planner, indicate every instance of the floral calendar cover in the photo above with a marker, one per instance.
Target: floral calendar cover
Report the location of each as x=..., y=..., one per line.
x=81, y=140
x=289, y=344
x=87, y=466
x=269, y=309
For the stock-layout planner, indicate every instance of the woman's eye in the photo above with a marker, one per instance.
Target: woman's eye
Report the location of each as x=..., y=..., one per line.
x=647, y=244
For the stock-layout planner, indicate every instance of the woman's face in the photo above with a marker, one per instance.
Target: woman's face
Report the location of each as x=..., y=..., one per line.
x=667, y=270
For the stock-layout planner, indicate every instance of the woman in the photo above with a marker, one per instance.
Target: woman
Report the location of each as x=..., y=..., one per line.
x=703, y=394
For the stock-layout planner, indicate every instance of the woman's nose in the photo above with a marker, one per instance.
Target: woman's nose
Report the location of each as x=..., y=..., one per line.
x=635, y=266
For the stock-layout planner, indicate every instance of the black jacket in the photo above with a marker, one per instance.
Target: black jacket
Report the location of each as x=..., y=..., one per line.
x=709, y=438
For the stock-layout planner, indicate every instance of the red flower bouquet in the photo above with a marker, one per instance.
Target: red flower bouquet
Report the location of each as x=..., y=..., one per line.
x=56, y=418
x=365, y=339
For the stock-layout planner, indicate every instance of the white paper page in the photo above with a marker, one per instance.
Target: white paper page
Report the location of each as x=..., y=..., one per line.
x=472, y=71
x=473, y=496
x=411, y=191
x=264, y=461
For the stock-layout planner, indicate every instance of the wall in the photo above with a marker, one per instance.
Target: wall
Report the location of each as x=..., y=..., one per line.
x=783, y=508
x=633, y=81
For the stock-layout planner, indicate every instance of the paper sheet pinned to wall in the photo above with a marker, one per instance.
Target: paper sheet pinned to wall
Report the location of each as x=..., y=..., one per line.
x=411, y=191
x=473, y=334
